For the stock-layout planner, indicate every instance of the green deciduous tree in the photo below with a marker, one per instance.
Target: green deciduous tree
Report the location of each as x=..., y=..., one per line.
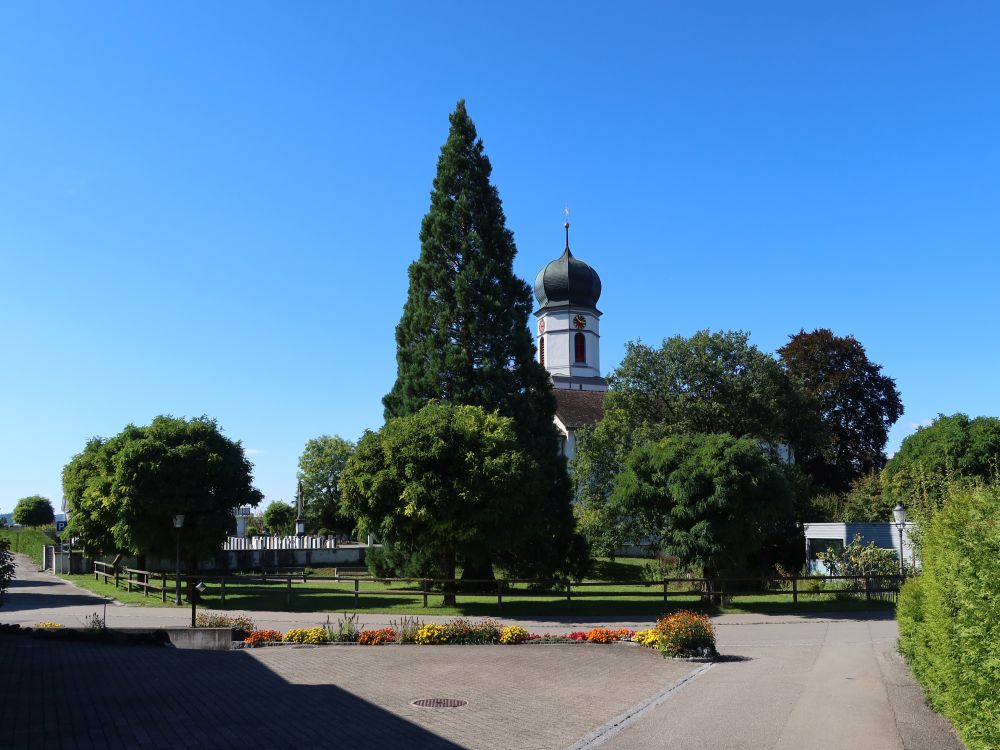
x=857, y=403
x=279, y=518
x=33, y=510
x=463, y=336
x=708, y=383
x=124, y=491
x=451, y=482
x=712, y=500
x=320, y=466
x=953, y=448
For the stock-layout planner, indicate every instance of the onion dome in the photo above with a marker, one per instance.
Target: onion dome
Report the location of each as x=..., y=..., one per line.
x=567, y=280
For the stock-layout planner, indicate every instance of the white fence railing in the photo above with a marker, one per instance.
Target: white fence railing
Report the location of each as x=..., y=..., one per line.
x=280, y=542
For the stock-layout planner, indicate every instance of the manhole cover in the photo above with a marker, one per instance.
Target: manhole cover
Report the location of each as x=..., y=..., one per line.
x=439, y=703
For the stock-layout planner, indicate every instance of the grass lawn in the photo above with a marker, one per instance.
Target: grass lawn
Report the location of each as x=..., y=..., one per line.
x=605, y=600
x=29, y=540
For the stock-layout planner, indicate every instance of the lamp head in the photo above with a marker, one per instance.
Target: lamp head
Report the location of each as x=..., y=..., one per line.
x=178, y=520
x=899, y=514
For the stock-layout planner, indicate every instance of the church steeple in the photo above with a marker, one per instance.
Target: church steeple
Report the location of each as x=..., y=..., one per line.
x=567, y=290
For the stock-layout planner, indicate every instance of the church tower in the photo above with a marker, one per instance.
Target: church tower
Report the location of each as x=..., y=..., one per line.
x=569, y=334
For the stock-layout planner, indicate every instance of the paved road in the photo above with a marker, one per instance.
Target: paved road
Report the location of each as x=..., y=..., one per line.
x=814, y=682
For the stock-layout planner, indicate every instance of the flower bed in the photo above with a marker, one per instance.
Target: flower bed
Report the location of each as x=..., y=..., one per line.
x=681, y=634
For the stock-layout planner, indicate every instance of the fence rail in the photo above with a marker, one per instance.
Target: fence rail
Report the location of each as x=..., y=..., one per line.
x=883, y=588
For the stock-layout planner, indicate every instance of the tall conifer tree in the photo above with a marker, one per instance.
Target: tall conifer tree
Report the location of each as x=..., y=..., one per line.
x=463, y=338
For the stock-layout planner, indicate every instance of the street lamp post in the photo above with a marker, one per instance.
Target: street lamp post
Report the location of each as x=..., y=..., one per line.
x=178, y=524
x=899, y=516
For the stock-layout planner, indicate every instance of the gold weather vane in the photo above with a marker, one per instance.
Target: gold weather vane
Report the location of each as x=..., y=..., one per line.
x=566, y=225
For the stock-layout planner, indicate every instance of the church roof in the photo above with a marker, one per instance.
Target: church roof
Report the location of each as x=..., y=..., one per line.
x=579, y=408
x=567, y=280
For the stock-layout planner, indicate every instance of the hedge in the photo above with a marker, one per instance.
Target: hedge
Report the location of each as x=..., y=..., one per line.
x=949, y=617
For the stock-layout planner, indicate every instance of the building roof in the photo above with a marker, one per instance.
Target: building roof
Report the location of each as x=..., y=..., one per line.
x=579, y=408
x=567, y=281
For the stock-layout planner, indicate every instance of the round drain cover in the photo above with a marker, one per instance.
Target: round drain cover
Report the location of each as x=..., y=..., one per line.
x=439, y=703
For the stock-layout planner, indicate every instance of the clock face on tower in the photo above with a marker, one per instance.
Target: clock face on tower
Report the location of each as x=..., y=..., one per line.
x=580, y=322
x=541, y=325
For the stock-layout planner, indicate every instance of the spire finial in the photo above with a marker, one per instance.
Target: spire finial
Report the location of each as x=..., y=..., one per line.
x=566, y=225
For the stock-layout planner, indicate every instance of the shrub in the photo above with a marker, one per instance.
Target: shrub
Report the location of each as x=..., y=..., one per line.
x=6, y=567
x=377, y=637
x=431, y=634
x=461, y=630
x=313, y=636
x=685, y=634
x=857, y=559
x=263, y=636
x=345, y=631
x=513, y=634
x=242, y=625
x=949, y=617
x=406, y=629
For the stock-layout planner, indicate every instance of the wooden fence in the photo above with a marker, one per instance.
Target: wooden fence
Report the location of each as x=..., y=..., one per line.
x=872, y=588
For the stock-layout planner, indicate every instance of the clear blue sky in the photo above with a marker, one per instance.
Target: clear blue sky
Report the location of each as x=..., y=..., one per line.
x=209, y=208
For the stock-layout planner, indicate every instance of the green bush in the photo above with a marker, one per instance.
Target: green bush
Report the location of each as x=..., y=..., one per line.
x=6, y=567
x=242, y=625
x=949, y=618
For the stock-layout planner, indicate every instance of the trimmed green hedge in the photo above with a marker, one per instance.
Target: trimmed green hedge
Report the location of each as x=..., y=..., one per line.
x=29, y=540
x=949, y=617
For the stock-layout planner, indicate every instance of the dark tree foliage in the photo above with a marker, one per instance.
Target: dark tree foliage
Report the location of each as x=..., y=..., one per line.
x=952, y=449
x=34, y=510
x=450, y=482
x=463, y=337
x=716, y=502
x=857, y=403
x=123, y=492
x=712, y=382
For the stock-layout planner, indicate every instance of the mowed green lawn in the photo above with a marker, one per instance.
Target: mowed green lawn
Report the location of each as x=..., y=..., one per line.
x=599, y=598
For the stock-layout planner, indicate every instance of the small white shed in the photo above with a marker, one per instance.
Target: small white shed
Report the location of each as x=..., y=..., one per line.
x=821, y=536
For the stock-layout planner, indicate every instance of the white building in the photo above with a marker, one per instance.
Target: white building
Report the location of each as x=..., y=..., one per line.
x=569, y=342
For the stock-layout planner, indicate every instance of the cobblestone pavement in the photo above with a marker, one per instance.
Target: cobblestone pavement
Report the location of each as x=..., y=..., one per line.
x=82, y=695
x=833, y=681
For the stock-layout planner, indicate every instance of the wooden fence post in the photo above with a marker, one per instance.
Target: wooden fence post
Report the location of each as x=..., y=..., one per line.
x=222, y=589
x=288, y=593
x=423, y=587
x=499, y=593
x=356, y=582
x=795, y=589
x=666, y=590
x=569, y=591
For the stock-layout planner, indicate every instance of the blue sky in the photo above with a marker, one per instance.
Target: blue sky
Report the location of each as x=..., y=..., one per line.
x=209, y=208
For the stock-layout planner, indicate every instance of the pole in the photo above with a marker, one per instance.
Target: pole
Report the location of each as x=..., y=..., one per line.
x=178, y=567
x=194, y=603
x=902, y=569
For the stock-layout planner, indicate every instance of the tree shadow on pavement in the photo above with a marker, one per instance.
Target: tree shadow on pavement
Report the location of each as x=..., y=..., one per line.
x=160, y=697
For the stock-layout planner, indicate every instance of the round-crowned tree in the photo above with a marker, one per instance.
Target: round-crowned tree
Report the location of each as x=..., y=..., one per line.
x=33, y=510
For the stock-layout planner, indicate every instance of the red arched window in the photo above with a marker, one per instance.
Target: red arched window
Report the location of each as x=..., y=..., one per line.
x=541, y=349
x=580, y=347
